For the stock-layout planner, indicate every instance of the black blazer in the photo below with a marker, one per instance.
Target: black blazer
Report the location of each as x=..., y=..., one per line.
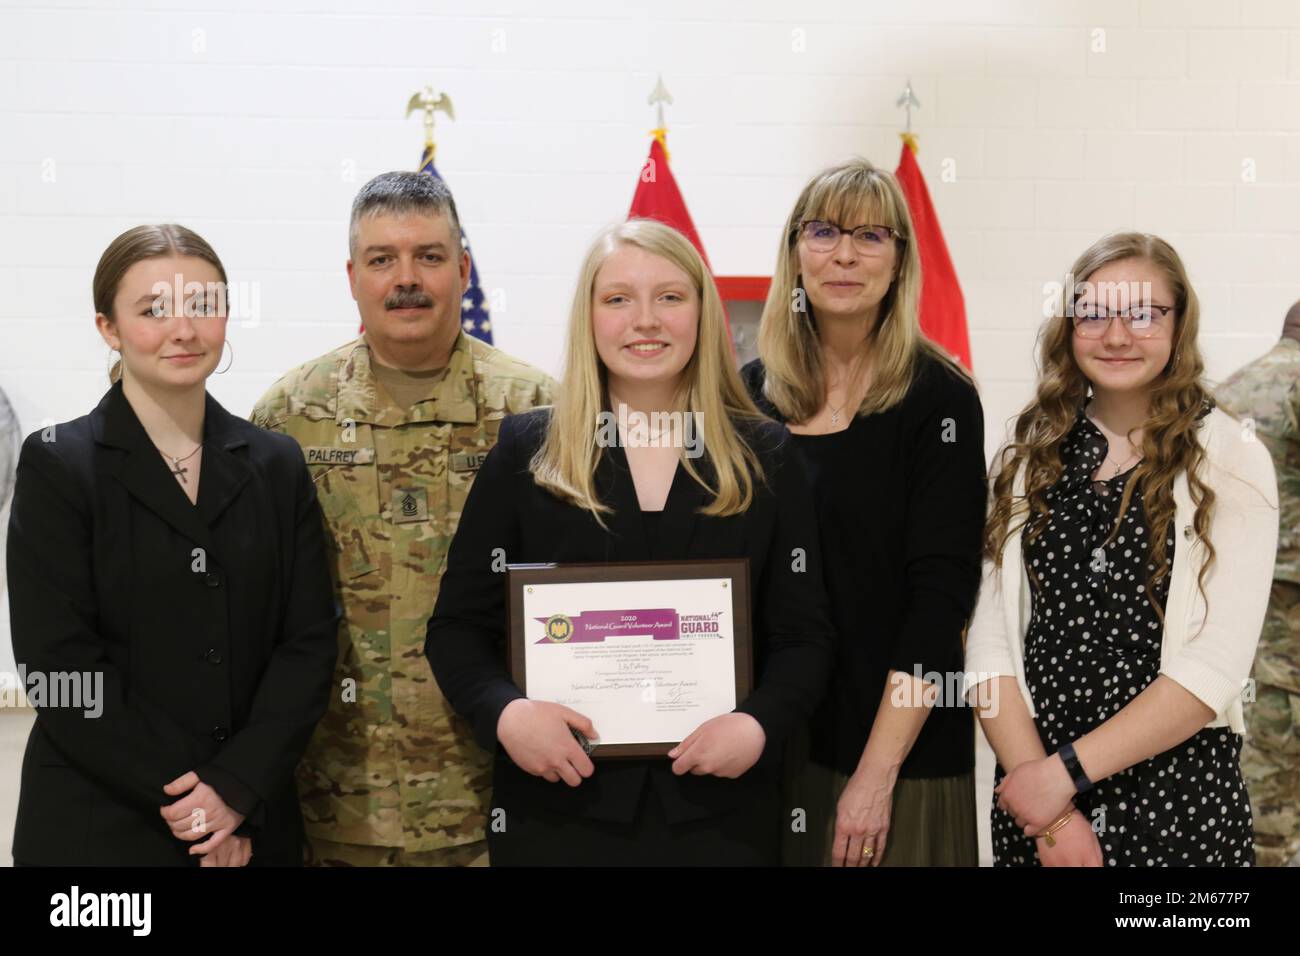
x=792, y=630
x=214, y=627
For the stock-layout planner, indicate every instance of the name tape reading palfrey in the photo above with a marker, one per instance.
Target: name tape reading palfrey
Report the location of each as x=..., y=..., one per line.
x=330, y=455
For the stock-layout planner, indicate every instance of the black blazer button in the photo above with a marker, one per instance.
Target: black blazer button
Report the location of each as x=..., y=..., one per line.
x=213, y=656
x=212, y=579
x=219, y=733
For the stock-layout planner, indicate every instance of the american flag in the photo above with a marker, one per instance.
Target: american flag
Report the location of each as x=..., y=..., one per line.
x=474, y=317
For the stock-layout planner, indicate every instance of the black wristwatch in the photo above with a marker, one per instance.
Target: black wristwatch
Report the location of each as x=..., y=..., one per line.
x=1071, y=760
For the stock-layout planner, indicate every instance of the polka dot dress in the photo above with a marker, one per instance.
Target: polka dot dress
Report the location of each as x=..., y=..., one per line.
x=1093, y=645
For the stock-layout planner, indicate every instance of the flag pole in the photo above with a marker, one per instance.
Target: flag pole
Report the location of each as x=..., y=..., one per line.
x=942, y=306
x=475, y=317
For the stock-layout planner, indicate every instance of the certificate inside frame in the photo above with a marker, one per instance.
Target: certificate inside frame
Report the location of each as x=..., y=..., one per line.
x=736, y=570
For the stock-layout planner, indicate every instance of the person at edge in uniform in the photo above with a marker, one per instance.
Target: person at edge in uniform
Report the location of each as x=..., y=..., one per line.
x=1128, y=558
x=394, y=426
x=646, y=334
x=892, y=431
x=170, y=556
x=1267, y=393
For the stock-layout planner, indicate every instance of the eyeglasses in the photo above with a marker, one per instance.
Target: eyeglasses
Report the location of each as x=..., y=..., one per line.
x=1143, y=322
x=822, y=235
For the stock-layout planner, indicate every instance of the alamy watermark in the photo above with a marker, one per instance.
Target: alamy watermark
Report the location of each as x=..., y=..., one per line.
x=1100, y=294
x=633, y=429
x=241, y=300
x=77, y=690
x=947, y=689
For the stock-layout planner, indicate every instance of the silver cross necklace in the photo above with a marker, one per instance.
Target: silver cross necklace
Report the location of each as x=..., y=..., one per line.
x=176, y=468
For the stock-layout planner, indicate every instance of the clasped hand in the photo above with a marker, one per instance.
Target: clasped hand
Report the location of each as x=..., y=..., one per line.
x=200, y=812
x=1036, y=793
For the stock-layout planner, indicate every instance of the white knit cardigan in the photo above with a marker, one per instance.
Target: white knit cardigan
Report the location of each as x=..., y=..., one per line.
x=1208, y=651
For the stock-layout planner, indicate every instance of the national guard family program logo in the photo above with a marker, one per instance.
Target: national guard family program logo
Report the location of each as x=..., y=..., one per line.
x=559, y=628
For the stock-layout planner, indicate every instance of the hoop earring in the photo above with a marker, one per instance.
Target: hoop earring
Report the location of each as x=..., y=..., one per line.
x=112, y=352
x=223, y=371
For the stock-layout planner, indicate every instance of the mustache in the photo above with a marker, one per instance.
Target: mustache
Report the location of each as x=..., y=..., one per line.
x=408, y=299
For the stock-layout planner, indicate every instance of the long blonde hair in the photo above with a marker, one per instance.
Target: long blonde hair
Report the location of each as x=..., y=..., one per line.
x=710, y=387
x=851, y=193
x=1170, y=443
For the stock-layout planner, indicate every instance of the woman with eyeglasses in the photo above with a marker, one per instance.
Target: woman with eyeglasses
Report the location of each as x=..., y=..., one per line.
x=892, y=432
x=1129, y=557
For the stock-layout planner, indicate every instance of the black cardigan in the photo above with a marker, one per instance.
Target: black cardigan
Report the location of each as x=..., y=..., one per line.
x=901, y=512
x=506, y=509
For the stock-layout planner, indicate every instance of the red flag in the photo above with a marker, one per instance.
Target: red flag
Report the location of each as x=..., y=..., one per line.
x=657, y=197
x=943, y=310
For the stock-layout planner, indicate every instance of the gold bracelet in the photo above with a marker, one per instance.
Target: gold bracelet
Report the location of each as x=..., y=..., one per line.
x=1060, y=821
x=1055, y=825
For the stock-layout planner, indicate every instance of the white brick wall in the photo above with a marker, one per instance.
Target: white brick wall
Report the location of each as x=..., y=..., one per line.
x=1064, y=119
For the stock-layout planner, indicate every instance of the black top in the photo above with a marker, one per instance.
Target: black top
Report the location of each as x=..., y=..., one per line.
x=900, y=501
x=650, y=523
x=214, y=627
x=1090, y=591
x=506, y=509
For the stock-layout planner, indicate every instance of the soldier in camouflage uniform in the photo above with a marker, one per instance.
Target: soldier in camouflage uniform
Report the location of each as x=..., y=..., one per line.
x=1265, y=395
x=394, y=426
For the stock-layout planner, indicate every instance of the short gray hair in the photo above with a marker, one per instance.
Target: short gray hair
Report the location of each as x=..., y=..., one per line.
x=399, y=192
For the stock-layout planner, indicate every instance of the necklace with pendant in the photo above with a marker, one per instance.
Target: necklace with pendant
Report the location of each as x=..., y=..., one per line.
x=1120, y=467
x=848, y=375
x=176, y=468
x=835, y=412
x=1136, y=453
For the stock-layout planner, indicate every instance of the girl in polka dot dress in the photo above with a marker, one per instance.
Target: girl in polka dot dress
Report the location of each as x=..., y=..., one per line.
x=1117, y=677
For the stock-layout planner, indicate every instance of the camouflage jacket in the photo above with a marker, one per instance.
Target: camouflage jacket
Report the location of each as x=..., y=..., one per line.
x=390, y=764
x=1265, y=395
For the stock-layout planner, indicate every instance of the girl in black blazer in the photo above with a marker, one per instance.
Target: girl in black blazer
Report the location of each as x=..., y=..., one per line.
x=646, y=332
x=167, y=560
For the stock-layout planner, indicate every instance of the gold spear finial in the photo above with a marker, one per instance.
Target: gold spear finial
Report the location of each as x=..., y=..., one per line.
x=658, y=97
